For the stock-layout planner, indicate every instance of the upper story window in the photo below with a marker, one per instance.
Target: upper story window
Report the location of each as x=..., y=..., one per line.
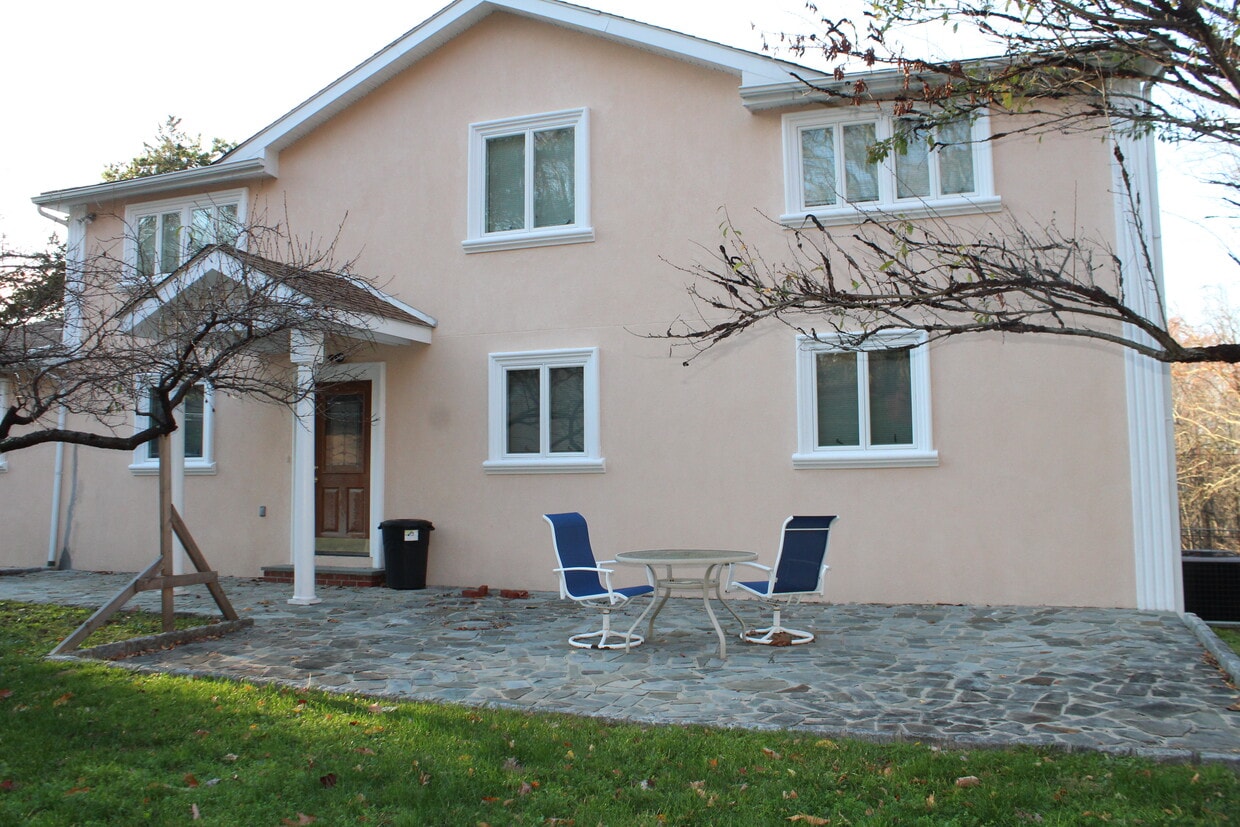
x=529, y=182
x=867, y=408
x=544, y=412
x=196, y=419
x=166, y=233
x=829, y=172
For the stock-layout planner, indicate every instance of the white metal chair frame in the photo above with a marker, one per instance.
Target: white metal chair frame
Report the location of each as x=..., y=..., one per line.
x=777, y=634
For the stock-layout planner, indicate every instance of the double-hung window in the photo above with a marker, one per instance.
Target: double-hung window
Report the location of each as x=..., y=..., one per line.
x=544, y=412
x=165, y=234
x=863, y=408
x=195, y=418
x=529, y=182
x=832, y=173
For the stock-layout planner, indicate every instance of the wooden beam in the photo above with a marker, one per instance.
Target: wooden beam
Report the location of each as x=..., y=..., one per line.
x=200, y=562
x=150, y=584
x=113, y=606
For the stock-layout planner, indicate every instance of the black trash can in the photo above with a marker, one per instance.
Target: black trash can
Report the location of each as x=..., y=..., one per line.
x=404, y=552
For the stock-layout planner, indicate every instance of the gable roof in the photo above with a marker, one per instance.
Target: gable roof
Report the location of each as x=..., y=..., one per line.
x=258, y=156
x=370, y=312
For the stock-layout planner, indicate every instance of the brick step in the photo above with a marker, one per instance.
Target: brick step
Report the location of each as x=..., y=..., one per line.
x=329, y=575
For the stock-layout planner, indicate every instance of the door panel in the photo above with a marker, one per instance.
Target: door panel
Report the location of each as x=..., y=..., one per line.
x=342, y=467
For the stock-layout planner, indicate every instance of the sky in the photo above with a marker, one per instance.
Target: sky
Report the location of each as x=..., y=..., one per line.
x=84, y=84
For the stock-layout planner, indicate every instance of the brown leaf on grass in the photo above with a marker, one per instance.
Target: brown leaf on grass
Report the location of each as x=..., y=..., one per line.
x=808, y=819
x=330, y=780
x=5, y=693
x=968, y=781
x=193, y=812
x=525, y=789
x=63, y=699
x=302, y=820
x=364, y=751
x=930, y=801
x=511, y=764
x=77, y=790
x=190, y=780
x=772, y=754
x=7, y=784
x=790, y=794
x=202, y=733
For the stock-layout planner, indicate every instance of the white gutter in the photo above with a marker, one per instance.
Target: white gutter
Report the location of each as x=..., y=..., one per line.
x=216, y=174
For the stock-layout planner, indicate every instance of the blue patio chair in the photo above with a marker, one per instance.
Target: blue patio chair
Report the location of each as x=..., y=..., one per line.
x=799, y=570
x=580, y=581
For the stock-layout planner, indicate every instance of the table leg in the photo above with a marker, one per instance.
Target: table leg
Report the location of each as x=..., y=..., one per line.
x=712, y=571
x=655, y=598
x=724, y=603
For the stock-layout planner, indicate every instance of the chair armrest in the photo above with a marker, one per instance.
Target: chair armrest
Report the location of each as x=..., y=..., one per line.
x=770, y=572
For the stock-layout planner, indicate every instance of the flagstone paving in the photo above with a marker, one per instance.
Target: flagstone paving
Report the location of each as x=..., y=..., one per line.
x=1104, y=679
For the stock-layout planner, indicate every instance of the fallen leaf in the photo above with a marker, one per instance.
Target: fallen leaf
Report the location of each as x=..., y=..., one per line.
x=790, y=794
x=8, y=784
x=770, y=753
x=365, y=750
x=202, y=733
x=328, y=780
x=930, y=801
x=302, y=820
x=230, y=757
x=525, y=789
x=511, y=764
x=968, y=781
x=77, y=790
x=194, y=814
x=6, y=693
x=808, y=819
x=63, y=699
x=190, y=780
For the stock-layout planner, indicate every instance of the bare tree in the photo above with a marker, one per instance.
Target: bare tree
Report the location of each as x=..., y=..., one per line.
x=1207, y=438
x=1125, y=66
x=135, y=344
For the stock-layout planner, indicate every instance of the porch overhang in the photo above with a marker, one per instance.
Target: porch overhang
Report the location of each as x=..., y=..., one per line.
x=365, y=311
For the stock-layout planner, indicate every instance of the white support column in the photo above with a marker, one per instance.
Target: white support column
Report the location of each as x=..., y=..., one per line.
x=306, y=353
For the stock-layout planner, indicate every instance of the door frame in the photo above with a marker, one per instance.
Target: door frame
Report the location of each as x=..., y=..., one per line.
x=376, y=374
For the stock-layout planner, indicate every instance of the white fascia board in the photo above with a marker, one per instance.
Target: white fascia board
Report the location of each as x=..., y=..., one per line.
x=754, y=69
x=218, y=174
x=393, y=332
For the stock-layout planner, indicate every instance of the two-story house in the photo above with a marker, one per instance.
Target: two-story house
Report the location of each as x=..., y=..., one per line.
x=522, y=178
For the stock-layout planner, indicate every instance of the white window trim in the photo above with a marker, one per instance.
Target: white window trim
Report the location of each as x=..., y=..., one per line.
x=479, y=240
x=796, y=214
x=589, y=461
x=810, y=455
x=186, y=206
x=143, y=464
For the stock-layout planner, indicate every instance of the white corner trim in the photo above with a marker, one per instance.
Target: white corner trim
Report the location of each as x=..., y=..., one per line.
x=1151, y=434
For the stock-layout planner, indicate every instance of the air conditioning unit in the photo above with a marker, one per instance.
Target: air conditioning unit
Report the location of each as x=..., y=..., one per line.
x=1212, y=584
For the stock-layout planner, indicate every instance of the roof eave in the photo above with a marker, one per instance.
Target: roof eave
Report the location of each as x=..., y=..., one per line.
x=217, y=174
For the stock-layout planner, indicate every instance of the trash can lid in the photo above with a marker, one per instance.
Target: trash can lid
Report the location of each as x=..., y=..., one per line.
x=407, y=523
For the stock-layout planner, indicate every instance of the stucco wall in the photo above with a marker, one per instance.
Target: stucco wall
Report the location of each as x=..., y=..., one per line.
x=1030, y=502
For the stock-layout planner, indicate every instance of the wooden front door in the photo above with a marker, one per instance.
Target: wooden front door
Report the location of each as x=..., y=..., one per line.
x=342, y=468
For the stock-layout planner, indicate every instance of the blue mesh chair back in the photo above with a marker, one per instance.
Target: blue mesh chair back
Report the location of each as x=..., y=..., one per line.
x=572, y=547
x=802, y=553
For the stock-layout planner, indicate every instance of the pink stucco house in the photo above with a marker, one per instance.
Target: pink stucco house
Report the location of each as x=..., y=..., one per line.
x=521, y=176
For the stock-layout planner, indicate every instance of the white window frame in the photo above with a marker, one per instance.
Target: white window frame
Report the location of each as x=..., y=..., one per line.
x=796, y=213
x=589, y=461
x=478, y=239
x=810, y=455
x=185, y=206
x=144, y=463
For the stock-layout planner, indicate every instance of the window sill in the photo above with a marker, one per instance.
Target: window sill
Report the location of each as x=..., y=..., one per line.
x=867, y=459
x=582, y=465
x=521, y=240
x=148, y=469
x=856, y=213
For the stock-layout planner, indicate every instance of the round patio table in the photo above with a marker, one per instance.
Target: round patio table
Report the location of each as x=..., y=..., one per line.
x=667, y=559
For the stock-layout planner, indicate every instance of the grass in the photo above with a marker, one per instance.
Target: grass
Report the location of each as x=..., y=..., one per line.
x=1229, y=635
x=87, y=744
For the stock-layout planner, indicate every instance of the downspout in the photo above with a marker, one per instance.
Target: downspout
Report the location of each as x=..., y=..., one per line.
x=57, y=480
x=58, y=473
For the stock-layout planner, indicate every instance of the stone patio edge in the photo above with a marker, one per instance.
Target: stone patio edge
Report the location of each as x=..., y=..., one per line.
x=1227, y=659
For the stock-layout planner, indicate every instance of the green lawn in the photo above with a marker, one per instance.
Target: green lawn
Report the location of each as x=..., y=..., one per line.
x=1229, y=635
x=84, y=744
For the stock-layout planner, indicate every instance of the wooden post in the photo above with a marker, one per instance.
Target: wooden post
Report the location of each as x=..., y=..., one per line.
x=165, y=530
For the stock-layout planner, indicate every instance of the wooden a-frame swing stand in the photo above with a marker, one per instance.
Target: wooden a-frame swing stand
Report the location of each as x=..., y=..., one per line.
x=159, y=575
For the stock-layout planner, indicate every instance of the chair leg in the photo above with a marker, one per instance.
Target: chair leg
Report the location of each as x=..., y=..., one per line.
x=606, y=638
x=777, y=635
